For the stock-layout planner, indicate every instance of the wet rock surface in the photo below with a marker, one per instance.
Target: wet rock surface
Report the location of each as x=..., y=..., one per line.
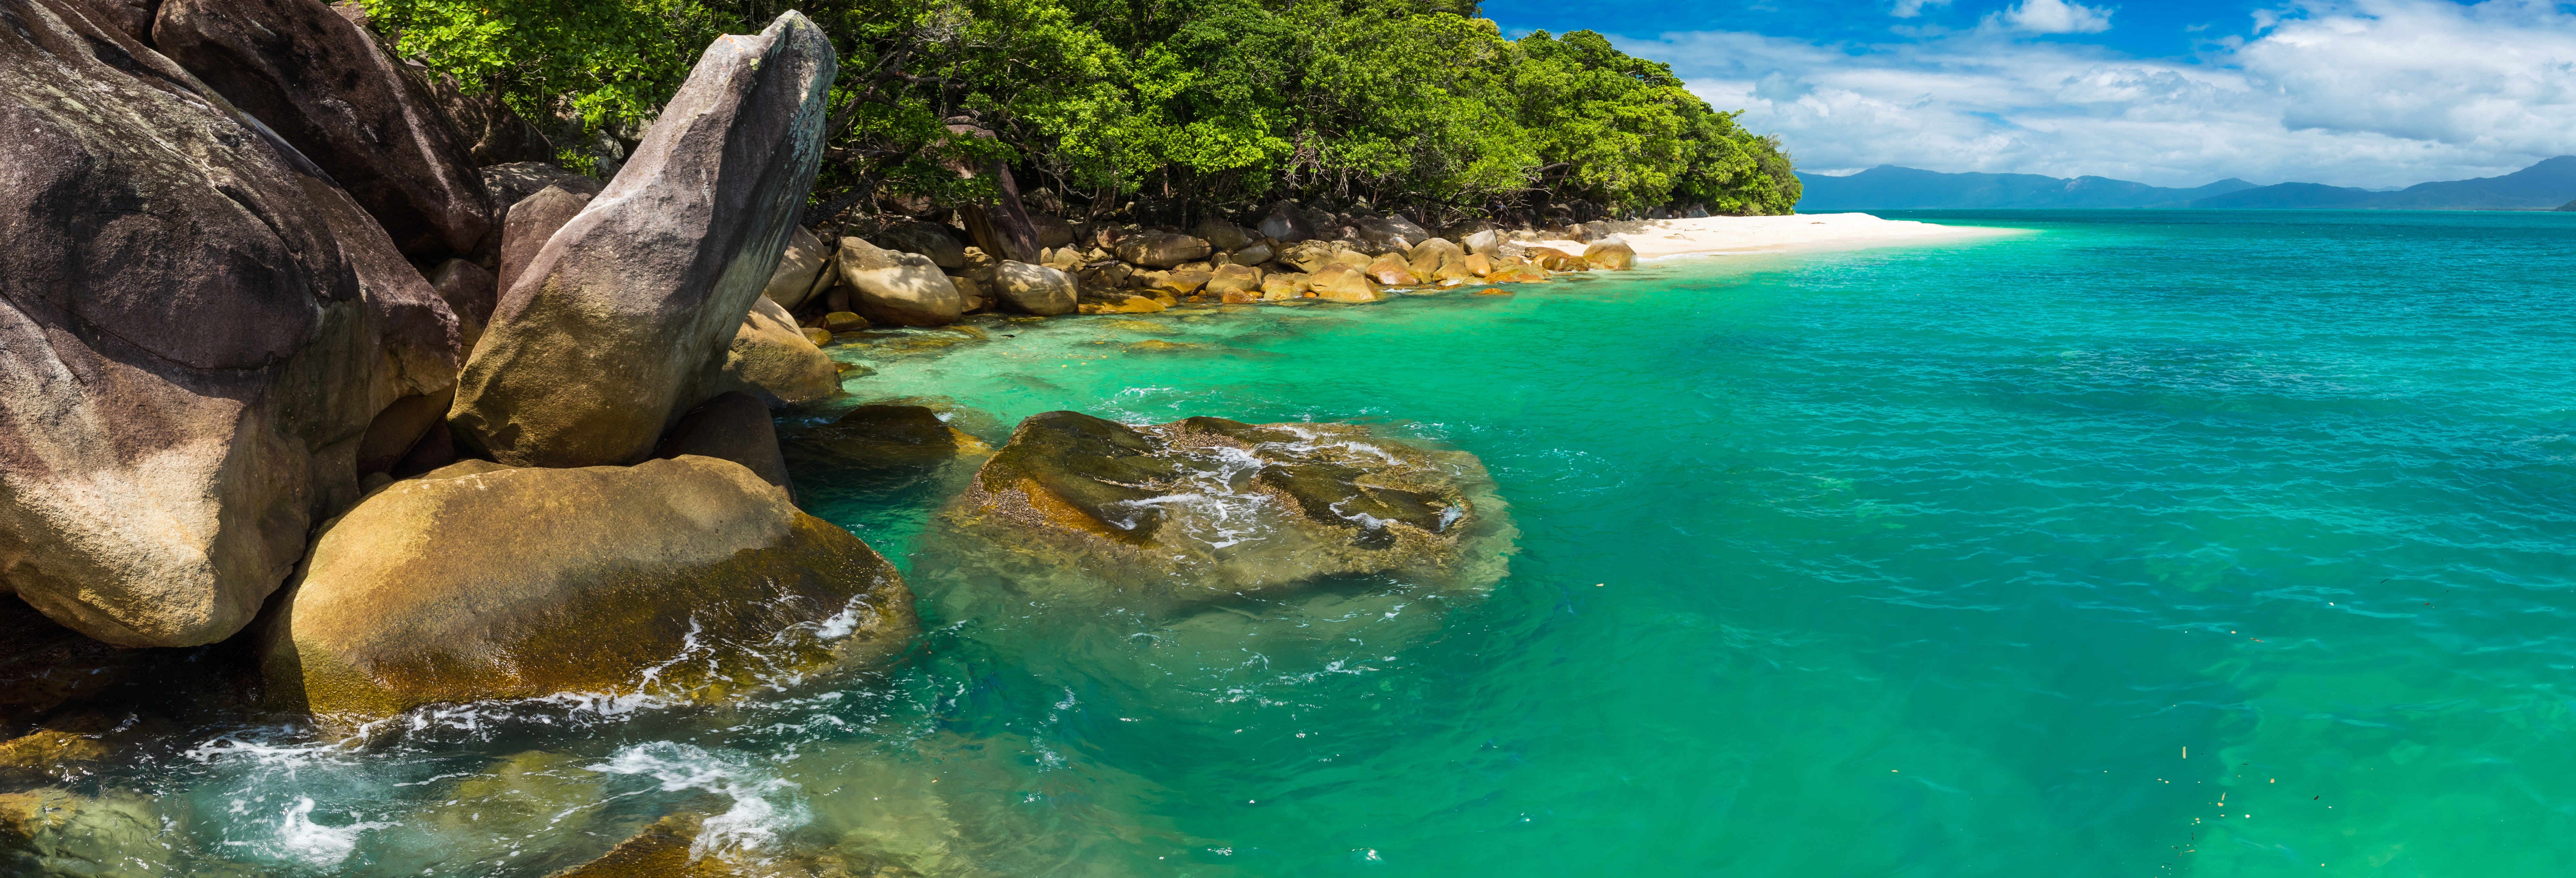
x=1206, y=509
x=689, y=576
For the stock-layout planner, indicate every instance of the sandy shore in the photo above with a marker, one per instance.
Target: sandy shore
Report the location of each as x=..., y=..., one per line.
x=1774, y=234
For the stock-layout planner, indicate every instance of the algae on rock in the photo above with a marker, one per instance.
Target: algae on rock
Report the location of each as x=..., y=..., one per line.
x=1206, y=510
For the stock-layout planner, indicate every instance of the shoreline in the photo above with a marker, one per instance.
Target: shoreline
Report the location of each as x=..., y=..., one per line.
x=1792, y=233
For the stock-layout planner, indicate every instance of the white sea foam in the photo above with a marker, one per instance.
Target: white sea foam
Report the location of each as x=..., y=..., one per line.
x=764, y=805
x=300, y=838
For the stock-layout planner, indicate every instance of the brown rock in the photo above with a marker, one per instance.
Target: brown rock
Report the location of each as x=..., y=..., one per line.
x=772, y=360
x=530, y=224
x=197, y=329
x=1136, y=305
x=580, y=580
x=618, y=325
x=1554, y=259
x=1232, y=280
x=1035, y=289
x=844, y=321
x=1280, y=287
x=513, y=182
x=881, y=437
x=1391, y=271
x=1092, y=509
x=1154, y=249
x=322, y=83
x=1253, y=255
x=1052, y=231
x=1430, y=259
x=820, y=336
x=1477, y=264
x=1345, y=285
x=800, y=270
x=897, y=288
x=1182, y=281
x=469, y=291
x=1610, y=256
x=1224, y=235
x=934, y=240
x=736, y=427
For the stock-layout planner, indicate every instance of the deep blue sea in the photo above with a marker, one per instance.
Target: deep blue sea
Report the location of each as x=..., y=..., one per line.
x=2141, y=543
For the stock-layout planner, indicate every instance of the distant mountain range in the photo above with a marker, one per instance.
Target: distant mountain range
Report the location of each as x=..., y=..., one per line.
x=2543, y=186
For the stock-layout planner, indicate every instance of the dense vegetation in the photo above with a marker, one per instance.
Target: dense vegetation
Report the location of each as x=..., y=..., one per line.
x=1160, y=109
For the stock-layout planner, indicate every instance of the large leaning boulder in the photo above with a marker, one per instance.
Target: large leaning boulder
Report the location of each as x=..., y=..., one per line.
x=616, y=325
x=321, y=81
x=684, y=577
x=196, y=330
x=1207, y=509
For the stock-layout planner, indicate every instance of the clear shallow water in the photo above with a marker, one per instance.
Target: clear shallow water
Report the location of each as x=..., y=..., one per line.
x=2148, y=543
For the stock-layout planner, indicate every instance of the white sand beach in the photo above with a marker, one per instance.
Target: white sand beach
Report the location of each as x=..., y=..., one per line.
x=1775, y=234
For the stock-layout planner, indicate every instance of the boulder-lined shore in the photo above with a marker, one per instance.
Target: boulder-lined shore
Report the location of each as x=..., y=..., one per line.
x=919, y=273
x=321, y=403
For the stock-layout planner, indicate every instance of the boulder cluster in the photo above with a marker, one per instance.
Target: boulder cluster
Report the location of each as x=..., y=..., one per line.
x=282, y=357
x=920, y=273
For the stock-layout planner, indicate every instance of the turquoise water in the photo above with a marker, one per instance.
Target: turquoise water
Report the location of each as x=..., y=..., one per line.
x=2142, y=543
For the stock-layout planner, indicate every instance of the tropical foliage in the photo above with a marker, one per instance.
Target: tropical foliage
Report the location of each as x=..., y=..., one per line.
x=1153, y=108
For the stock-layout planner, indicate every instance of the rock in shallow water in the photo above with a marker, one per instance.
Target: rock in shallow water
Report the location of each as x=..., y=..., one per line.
x=1206, y=509
x=688, y=577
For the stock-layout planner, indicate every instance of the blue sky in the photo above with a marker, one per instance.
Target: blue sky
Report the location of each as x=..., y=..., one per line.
x=2374, y=93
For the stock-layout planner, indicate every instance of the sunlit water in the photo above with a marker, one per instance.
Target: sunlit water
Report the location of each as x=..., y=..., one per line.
x=2142, y=544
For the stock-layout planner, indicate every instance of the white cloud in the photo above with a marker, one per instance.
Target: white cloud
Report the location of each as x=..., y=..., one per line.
x=2367, y=93
x=2051, y=17
x=1912, y=8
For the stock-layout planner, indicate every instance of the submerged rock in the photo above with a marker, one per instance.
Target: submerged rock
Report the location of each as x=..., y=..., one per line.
x=688, y=577
x=621, y=320
x=53, y=831
x=1206, y=509
x=670, y=848
x=196, y=329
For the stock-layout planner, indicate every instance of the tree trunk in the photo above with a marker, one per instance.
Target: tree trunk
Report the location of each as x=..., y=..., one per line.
x=1003, y=229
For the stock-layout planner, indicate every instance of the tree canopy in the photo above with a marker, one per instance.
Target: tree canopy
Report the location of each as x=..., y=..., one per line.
x=1157, y=108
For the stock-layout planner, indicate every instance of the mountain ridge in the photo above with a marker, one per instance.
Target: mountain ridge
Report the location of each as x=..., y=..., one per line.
x=2543, y=186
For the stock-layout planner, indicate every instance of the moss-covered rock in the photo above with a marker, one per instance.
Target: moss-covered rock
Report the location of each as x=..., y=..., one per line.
x=687, y=577
x=1207, y=509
